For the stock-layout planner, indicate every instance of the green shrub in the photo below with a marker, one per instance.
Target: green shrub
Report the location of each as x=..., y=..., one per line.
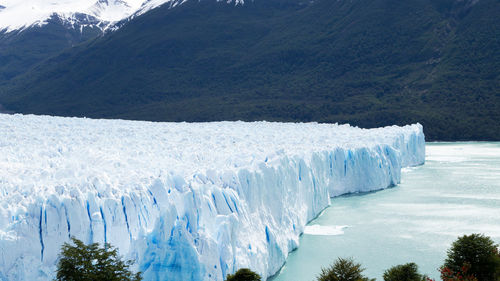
x=479, y=253
x=243, y=274
x=403, y=272
x=90, y=263
x=343, y=270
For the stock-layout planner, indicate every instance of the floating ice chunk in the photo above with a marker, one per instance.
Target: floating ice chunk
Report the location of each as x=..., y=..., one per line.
x=317, y=229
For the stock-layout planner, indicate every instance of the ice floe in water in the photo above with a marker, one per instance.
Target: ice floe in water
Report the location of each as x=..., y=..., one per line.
x=317, y=229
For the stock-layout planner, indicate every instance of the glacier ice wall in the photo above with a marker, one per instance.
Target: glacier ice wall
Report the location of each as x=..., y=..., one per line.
x=187, y=201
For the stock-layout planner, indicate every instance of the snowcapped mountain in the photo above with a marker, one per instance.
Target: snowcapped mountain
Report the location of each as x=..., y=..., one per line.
x=19, y=15
x=368, y=62
x=34, y=30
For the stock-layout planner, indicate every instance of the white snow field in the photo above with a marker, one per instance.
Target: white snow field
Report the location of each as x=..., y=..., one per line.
x=186, y=201
x=21, y=14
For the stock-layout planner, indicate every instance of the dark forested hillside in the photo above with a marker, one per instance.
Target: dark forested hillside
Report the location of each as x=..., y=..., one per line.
x=22, y=49
x=366, y=62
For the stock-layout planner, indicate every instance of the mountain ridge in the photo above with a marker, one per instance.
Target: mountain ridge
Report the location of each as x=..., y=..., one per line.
x=21, y=15
x=368, y=63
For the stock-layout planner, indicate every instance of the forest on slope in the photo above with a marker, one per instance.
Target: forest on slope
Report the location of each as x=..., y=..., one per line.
x=365, y=62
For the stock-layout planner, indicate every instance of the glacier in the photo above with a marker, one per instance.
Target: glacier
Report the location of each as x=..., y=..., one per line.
x=186, y=201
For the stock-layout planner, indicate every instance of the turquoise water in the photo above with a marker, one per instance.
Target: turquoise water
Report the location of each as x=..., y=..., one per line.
x=456, y=192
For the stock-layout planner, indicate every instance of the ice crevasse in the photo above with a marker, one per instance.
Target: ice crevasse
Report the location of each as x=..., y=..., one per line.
x=186, y=201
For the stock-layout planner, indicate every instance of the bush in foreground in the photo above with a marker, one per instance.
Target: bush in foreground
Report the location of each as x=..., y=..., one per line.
x=343, y=270
x=404, y=272
x=461, y=275
x=475, y=255
x=80, y=262
x=243, y=274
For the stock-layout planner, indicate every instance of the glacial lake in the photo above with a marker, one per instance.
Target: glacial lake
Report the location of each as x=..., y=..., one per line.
x=456, y=192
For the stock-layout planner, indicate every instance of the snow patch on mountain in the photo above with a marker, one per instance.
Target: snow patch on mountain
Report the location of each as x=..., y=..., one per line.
x=186, y=201
x=20, y=14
